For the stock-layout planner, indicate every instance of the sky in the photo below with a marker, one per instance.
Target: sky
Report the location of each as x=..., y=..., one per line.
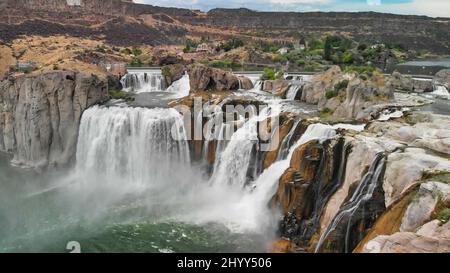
x=433, y=8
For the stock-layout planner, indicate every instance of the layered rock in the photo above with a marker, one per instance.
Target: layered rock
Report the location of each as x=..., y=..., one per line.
x=40, y=115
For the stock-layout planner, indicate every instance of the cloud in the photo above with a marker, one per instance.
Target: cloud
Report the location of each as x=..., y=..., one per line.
x=435, y=8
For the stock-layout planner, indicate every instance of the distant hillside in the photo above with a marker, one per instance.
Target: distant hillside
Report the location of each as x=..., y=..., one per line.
x=157, y=25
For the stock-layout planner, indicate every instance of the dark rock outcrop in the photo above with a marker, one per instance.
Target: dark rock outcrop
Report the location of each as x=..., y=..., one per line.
x=173, y=73
x=40, y=115
x=277, y=87
x=245, y=83
x=203, y=78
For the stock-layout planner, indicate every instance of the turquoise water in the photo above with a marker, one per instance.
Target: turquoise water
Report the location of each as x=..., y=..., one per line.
x=36, y=216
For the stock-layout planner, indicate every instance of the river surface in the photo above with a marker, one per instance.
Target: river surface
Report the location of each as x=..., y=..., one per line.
x=37, y=218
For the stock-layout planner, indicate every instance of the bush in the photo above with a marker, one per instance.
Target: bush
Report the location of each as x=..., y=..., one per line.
x=341, y=85
x=270, y=74
x=347, y=57
x=136, y=62
x=444, y=215
x=136, y=51
x=126, y=51
x=329, y=94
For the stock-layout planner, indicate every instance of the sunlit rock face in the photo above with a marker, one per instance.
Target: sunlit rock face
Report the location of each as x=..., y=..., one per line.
x=40, y=115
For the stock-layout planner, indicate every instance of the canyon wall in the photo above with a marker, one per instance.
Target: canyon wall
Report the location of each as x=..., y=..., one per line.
x=40, y=115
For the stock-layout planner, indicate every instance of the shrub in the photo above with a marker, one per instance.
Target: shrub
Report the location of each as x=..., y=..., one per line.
x=126, y=51
x=444, y=215
x=341, y=85
x=347, y=57
x=270, y=74
x=329, y=94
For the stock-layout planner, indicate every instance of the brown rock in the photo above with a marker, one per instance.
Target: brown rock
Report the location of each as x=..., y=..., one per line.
x=203, y=78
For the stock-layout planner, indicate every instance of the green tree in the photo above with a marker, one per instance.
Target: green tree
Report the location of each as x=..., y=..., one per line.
x=328, y=48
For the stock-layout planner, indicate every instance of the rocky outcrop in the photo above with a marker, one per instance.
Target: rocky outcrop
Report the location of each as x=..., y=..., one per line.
x=424, y=205
x=173, y=73
x=442, y=78
x=203, y=78
x=40, y=115
x=245, y=83
x=417, y=230
x=408, y=84
x=405, y=169
x=277, y=87
x=347, y=95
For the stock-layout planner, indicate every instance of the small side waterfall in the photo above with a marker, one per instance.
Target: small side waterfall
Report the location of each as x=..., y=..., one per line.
x=143, y=81
x=288, y=141
x=363, y=194
x=441, y=91
x=292, y=92
x=135, y=144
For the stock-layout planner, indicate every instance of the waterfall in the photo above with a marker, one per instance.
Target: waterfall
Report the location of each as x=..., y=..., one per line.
x=362, y=194
x=136, y=144
x=287, y=142
x=233, y=162
x=292, y=92
x=441, y=91
x=143, y=81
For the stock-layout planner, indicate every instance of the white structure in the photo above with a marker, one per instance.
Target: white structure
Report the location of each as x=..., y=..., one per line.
x=73, y=2
x=283, y=50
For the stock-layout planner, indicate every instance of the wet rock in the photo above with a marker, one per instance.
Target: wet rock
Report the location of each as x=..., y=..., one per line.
x=277, y=87
x=245, y=83
x=40, y=115
x=203, y=78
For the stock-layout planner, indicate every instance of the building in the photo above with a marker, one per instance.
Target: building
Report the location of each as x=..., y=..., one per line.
x=203, y=48
x=283, y=50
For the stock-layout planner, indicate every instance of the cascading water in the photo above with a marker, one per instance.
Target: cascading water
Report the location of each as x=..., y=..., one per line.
x=441, y=92
x=233, y=163
x=135, y=144
x=362, y=195
x=143, y=81
x=287, y=142
x=292, y=92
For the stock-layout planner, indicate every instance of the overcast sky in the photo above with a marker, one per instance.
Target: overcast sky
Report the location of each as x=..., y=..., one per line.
x=435, y=8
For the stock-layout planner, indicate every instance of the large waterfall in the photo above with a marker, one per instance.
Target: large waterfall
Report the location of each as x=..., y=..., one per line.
x=135, y=144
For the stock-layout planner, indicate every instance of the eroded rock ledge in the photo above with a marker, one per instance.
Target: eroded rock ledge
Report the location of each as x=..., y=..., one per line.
x=40, y=115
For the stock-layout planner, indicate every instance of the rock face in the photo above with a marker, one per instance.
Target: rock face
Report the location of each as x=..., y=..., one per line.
x=173, y=73
x=409, y=84
x=422, y=208
x=277, y=87
x=245, y=83
x=442, y=78
x=203, y=78
x=404, y=169
x=346, y=95
x=40, y=115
